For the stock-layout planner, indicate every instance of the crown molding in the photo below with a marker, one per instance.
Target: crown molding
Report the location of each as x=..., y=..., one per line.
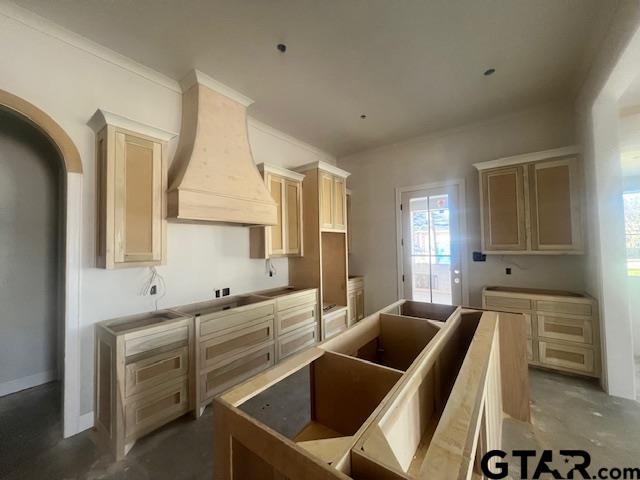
x=528, y=157
x=281, y=171
x=197, y=77
x=324, y=166
x=101, y=118
x=51, y=29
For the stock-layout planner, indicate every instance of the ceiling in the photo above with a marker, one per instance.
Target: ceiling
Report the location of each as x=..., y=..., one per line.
x=412, y=66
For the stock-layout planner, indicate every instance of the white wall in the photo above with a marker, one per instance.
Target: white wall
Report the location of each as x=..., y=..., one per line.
x=29, y=185
x=69, y=79
x=612, y=71
x=444, y=156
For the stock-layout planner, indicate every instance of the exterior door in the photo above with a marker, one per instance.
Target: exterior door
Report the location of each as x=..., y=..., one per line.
x=430, y=246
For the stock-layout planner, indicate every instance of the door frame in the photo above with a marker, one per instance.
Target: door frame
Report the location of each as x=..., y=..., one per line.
x=73, y=421
x=460, y=184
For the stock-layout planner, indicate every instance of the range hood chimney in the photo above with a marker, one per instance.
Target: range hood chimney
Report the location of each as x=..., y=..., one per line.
x=213, y=177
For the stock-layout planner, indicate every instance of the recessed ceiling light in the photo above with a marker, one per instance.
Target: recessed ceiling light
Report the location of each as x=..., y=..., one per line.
x=282, y=47
x=363, y=116
x=489, y=71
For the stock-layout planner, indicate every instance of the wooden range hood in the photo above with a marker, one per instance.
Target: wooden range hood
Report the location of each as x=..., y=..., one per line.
x=214, y=178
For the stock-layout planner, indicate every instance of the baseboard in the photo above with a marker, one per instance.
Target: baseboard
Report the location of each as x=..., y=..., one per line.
x=85, y=422
x=23, y=383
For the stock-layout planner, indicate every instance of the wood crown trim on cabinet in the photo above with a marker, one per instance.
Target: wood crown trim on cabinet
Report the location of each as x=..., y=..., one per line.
x=528, y=157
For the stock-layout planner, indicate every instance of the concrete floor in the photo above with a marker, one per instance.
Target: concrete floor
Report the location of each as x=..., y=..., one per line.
x=568, y=413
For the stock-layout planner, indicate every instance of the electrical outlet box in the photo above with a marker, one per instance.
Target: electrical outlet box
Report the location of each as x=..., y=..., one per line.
x=507, y=271
x=153, y=290
x=479, y=257
x=217, y=292
x=226, y=292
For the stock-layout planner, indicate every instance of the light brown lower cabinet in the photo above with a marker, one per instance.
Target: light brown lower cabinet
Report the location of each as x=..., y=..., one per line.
x=393, y=397
x=144, y=376
x=152, y=368
x=334, y=322
x=562, y=327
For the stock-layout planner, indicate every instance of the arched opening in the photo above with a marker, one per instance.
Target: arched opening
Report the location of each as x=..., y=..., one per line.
x=32, y=282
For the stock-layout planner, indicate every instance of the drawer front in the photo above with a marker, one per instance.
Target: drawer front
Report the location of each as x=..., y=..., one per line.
x=154, y=408
x=225, y=376
x=216, y=349
x=571, y=357
x=156, y=369
x=292, y=301
x=219, y=323
x=294, y=318
x=144, y=343
x=564, y=307
x=563, y=328
x=296, y=342
x=511, y=303
x=334, y=323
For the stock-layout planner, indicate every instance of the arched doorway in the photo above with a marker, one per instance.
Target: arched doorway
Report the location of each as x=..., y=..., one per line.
x=69, y=208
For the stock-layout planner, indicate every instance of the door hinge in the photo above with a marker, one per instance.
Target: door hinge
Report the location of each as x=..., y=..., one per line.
x=402, y=242
x=403, y=277
x=400, y=206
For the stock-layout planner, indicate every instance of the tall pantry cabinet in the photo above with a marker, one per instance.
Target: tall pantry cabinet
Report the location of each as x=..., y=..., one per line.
x=324, y=264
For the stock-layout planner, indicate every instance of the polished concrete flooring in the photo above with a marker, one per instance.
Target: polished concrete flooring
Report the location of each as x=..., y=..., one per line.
x=568, y=413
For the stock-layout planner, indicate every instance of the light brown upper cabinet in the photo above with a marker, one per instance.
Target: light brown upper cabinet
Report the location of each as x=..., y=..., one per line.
x=132, y=184
x=333, y=202
x=531, y=204
x=284, y=238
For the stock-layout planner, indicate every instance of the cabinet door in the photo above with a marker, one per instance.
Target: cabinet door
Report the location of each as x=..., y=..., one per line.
x=138, y=199
x=276, y=232
x=326, y=200
x=339, y=204
x=555, y=205
x=293, y=217
x=352, y=308
x=359, y=305
x=503, y=209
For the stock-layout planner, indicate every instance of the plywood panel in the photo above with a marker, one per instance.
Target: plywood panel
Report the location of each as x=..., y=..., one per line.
x=503, y=209
x=334, y=268
x=553, y=197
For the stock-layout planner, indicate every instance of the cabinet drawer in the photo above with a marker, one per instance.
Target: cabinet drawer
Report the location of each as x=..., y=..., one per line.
x=334, y=323
x=296, y=341
x=152, y=409
x=563, y=328
x=564, y=307
x=226, y=375
x=296, y=300
x=219, y=323
x=156, y=369
x=512, y=303
x=216, y=349
x=571, y=357
x=144, y=343
x=294, y=318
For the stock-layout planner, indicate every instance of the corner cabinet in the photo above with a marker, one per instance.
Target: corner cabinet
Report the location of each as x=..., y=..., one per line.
x=532, y=203
x=284, y=238
x=131, y=176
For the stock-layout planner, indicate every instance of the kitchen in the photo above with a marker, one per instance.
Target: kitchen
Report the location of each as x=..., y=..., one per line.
x=340, y=247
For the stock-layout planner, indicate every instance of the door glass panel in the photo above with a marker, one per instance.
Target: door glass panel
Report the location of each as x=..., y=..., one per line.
x=430, y=249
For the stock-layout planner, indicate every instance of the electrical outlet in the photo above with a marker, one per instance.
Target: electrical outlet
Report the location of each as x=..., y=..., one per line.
x=226, y=292
x=507, y=271
x=153, y=290
x=217, y=293
x=479, y=257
